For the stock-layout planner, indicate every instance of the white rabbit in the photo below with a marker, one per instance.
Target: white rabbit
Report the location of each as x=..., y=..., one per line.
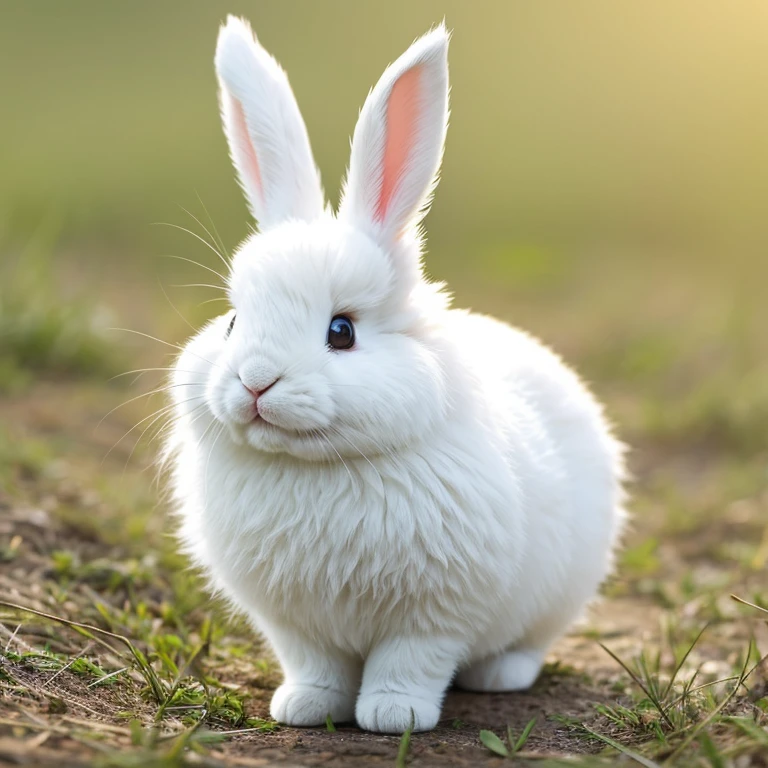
x=397, y=493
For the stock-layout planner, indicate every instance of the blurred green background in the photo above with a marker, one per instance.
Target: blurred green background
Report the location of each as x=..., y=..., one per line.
x=605, y=179
x=572, y=123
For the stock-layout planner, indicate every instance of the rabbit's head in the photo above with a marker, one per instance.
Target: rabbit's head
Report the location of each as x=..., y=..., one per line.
x=331, y=347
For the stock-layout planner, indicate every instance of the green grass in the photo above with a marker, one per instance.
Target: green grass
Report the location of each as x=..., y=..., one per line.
x=673, y=712
x=175, y=685
x=39, y=337
x=514, y=743
x=21, y=458
x=44, y=335
x=404, y=746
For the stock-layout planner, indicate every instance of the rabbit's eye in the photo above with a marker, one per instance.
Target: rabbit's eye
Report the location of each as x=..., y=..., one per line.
x=341, y=333
x=231, y=326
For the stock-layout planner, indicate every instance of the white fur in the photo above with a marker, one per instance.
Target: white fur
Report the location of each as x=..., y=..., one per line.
x=289, y=183
x=443, y=498
x=413, y=195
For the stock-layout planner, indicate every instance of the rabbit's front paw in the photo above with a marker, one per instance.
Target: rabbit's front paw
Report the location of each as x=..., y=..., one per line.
x=306, y=705
x=388, y=712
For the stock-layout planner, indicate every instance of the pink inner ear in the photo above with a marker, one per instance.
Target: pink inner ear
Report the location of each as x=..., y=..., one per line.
x=402, y=114
x=249, y=163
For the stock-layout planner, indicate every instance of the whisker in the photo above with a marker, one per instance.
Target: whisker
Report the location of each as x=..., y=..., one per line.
x=389, y=452
x=337, y=432
x=220, y=242
x=206, y=230
x=172, y=422
x=168, y=344
x=316, y=436
x=174, y=419
x=159, y=414
x=174, y=307
x=194, y=234
x=217, y=298
x=148, y=370
x=333, y=448
x=199, y=285
x=161, y=411
x=208, y=460
x=205, y=432
x=196, y=263
x=381, y=479
x=145, y=394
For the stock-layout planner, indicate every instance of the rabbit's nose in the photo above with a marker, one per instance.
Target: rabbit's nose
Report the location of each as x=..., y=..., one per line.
x=257, y=393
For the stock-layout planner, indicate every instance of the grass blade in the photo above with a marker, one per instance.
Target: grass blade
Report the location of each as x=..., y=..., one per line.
x=405, y=743
x=494, y=743
x=751, y=728
x=743, y=675
x=682, y=661
x=520, y=743
x=621, y=748
x=751, y=605
x=88, y=630
x=651, y=697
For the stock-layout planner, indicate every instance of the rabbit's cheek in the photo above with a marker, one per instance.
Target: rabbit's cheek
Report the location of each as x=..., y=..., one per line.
x=298, y=403
x=298, y=411
x=230, y=402
x=239, y=403
x=242, y=410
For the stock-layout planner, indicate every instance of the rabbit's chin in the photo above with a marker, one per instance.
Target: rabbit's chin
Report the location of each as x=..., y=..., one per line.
x=265, y=437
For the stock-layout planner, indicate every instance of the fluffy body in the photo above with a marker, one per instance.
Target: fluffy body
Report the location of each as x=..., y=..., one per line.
x=439, y=502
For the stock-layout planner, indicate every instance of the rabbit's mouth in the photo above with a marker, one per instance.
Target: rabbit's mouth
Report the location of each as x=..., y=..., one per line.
x=265, y=436
x=260, y=425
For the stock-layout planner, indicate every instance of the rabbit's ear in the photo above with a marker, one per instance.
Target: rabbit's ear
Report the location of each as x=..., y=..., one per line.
x=398, y=142
x=267, y=137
